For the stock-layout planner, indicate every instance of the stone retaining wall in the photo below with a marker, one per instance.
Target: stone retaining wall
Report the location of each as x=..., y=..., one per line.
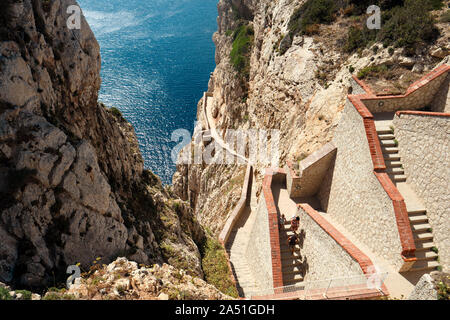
x=326, y=258
x=418, y=95
x=312, y=170
x=259, y=250
x=424, y=147
x=441, y=102
x=239, y=209
x=352, y=194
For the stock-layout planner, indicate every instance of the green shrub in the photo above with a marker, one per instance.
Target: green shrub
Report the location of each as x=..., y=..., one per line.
x=312, y=12
x=445, y=17
x=116, y=112
x=358, y=38
x=351, y=69
x=52, y=296
x=408, y=27
x=242, y=44
x=215, y=267
x=443, y=291
x=4, y=294
x=372, y=71
x=26, y=295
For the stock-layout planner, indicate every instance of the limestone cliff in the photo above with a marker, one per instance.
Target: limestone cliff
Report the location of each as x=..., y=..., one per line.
x=296, y=85
x=72, y=182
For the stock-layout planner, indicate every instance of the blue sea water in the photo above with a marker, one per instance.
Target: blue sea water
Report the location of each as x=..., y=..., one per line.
x=156, y=59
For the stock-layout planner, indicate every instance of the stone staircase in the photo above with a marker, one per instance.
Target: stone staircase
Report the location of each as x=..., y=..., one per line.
x=246, y=283
x=291, y=264
x=426, y=251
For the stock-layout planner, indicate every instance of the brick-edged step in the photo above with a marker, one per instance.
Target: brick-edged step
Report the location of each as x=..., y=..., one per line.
x=414, y=212
x=423, y=227
x=384, y=130
x=388, y=143
x=386, y=136
x=426, y=256
x=424, y=246
x=397, y=177
x=390, y=150
x=395, y=171
x=422, y=218
x=425, y=266
x=393, y=164
x=287, y=250
x=288, y=256
x=425, y=236
x=391, y=156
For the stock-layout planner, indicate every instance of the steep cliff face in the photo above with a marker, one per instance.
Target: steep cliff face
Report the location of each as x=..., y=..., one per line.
x=297, y=85
x=72, y=182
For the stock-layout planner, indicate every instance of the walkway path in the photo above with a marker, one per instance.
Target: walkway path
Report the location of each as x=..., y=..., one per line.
x=214, y=134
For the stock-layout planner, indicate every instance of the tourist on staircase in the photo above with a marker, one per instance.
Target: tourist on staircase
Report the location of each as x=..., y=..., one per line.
x=294, y=224
x=292, y=241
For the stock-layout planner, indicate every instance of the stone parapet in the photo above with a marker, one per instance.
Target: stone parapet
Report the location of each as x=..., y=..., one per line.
x=312, y=171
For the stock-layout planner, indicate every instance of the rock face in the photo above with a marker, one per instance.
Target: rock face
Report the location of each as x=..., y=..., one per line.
x=126, y=280
x=72, y=182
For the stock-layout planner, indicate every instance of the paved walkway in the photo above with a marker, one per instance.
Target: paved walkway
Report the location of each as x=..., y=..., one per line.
x=214, y=134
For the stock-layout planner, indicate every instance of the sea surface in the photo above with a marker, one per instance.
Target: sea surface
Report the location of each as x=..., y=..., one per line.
x=156, y=59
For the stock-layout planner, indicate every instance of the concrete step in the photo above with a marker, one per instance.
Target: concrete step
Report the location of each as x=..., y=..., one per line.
x=416, y=212
x=418, y=219
x=389, y=150
x=424, y=266
x=288, y=280
x=388, y=143
x=386, y=136
x=426, y=256
x=393, y=164
x=420, y=228
x=425, y=236
x=397, y=177
x=391, y=156
x=395, y=171
x=288, y=256
x=291, y=263
x=292, y=270
x=384, y=130
x=424, y=246
x=286, y=250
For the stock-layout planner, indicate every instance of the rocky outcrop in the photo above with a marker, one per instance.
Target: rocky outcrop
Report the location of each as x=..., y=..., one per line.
x=73, y=185
x=126, y=280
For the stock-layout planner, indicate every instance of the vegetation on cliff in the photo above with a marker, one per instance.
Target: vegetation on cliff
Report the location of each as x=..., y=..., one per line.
x=215, y=267
x=407, y=24
x=242, y=44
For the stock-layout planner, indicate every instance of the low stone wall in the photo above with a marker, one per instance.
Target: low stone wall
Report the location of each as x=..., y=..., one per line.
x=441, y=102
x=239, y=209
x=354, y=196
x=418, y=95
x=424, y=146
x=326, y=258
x=312, y=171
x=259, y=253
